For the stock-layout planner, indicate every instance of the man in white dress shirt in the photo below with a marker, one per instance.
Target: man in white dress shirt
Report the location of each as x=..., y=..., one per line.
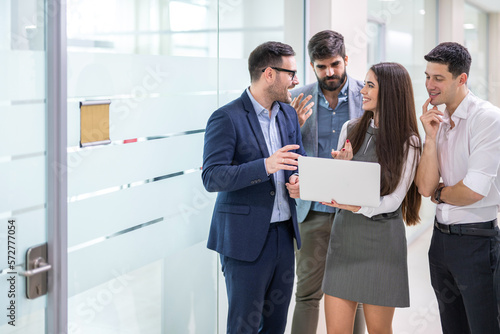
x=462, y=147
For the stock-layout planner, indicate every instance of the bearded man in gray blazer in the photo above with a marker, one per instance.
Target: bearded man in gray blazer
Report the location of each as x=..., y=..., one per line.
x=322, y=108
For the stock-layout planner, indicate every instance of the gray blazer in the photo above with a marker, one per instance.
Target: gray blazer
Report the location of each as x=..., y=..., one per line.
x=309, y=130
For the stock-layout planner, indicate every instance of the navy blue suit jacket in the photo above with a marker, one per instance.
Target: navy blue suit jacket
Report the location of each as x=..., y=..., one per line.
x=233, y=166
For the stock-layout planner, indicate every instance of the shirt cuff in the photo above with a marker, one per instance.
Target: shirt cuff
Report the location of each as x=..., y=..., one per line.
x=265, y=167
x=478, y=182
x=365, y=211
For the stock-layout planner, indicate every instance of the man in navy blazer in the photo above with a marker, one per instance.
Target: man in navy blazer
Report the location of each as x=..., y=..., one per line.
x=251, y=150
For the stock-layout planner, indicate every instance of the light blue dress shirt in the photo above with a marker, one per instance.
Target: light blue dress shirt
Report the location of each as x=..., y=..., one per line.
x=269, y=126
x=330, y=123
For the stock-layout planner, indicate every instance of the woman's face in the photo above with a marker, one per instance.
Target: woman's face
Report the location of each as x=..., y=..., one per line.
x=370, y=92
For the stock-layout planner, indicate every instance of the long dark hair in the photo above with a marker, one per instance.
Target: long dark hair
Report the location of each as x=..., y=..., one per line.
x=398, y=131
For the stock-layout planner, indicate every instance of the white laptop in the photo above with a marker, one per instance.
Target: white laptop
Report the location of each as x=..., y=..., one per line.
x=345, y=181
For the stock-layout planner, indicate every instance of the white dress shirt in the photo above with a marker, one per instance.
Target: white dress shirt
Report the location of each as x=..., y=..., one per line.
x=470, y=152
x=392, y=201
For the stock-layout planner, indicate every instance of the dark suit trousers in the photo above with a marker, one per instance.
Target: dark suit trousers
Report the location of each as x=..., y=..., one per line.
x=466, y=279
x=259, y=292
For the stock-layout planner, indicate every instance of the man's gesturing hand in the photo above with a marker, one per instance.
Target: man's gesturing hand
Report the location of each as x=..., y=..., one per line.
x=282, y=159
x=303, y=111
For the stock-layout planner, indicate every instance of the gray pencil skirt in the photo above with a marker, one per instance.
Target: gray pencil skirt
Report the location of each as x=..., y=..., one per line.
x=367, y=260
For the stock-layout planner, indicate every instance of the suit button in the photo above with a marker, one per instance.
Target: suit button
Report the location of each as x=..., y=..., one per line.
x=272, y=193
x=259, y=180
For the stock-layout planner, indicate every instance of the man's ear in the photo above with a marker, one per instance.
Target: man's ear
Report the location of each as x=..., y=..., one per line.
x=268, y=74
x=312, y=65
x=346, y=60
x=463, y=79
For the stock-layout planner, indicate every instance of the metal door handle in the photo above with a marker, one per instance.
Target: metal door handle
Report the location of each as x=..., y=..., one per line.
x=40, y=267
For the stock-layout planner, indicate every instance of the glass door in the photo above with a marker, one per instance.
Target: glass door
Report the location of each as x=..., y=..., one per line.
x=138, y=215
x=32, y=169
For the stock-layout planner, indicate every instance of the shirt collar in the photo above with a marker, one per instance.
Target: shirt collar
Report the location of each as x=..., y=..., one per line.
x=259, y=109
x=460, y=113
x=343, y=92
x=463, y=107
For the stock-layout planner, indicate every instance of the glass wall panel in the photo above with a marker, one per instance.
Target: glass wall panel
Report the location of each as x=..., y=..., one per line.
x=476, y=41
x=138, y=215
x=242, y=28
x=409, y=32
x=376, y=41
x=23, y=159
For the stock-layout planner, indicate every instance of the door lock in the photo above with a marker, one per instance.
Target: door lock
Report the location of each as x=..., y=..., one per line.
x=36, y=271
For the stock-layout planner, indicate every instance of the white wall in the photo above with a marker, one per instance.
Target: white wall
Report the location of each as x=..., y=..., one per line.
x=347, y=18
x=494, y=55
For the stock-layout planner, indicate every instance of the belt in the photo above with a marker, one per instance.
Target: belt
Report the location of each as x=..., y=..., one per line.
x=486, y=229
x=285, y=222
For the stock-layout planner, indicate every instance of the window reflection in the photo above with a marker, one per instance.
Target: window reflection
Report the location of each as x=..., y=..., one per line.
x=407, y=31
x=157, y=27
x=476, y=41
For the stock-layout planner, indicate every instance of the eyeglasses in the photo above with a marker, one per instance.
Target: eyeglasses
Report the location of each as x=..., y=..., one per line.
x=293, y=73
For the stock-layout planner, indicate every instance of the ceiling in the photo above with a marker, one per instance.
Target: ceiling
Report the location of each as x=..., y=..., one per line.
x=487, y=5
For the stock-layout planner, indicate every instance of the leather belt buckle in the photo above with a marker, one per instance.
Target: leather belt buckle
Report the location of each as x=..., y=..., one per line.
x=442, y=227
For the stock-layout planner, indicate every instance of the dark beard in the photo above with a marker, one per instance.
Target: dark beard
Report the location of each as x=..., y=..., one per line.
x=334, y=86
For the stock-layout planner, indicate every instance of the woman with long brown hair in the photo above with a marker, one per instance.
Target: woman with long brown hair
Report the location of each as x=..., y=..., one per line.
x=366, y=261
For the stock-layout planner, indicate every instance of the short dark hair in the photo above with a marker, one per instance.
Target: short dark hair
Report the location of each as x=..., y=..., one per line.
x=326, y=44
x=267, y=55
x=452, y=54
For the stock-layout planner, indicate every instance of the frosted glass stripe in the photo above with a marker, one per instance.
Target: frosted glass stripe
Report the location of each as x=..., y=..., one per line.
x=24, y=77
x=151, y=117
x=105, y=261
x=182, y=197
x=110, y=166
x=125, y=186
x=137, y=140
x=22, y=183
x=233, y=74
x=10, y=158
x=15, y=213
x=22, y=129
x=100, y=74
x=101, y=239
x=34, y=101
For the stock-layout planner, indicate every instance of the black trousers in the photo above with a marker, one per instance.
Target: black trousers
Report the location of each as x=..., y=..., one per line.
x=465, y=275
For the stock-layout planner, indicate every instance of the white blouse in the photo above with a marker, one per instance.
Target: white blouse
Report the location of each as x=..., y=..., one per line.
x=391, y=202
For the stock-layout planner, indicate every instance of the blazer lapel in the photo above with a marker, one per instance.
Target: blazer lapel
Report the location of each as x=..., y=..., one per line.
x=254, y=124
x=282, y=120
